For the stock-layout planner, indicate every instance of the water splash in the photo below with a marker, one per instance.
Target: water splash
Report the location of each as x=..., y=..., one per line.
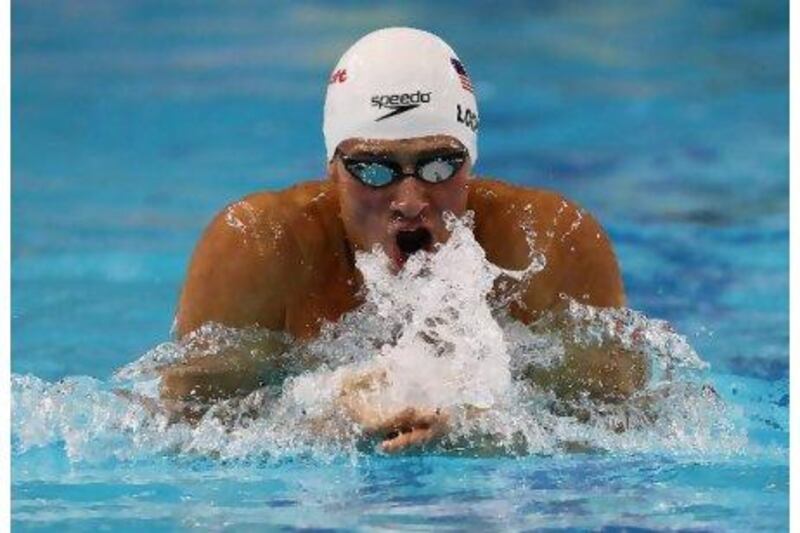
x=434, y=339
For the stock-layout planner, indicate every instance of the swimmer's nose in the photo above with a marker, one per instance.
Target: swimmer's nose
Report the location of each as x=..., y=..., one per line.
x=409, y=201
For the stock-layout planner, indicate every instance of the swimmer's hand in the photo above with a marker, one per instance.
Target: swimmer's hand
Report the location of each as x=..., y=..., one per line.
x=397, y=430
x=408, y=428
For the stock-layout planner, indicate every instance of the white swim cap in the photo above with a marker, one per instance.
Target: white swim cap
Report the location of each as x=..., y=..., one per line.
x=400, y=83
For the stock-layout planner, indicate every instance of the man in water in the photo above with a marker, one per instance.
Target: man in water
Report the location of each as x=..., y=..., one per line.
x=400, y=128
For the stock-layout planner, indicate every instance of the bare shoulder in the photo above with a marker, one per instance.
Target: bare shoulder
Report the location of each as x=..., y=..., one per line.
x=244, y=266
x=526, y=215
x=262, y=226
x=513, y=223
x=290, y=202
x=499, y=197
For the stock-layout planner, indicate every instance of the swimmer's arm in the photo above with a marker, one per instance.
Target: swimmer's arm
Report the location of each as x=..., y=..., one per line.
x=239, y=276
x=604, y=369
x=581, y=265
x=210, y=375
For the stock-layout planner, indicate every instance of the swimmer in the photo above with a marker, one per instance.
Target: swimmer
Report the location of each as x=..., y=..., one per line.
x=400, y=127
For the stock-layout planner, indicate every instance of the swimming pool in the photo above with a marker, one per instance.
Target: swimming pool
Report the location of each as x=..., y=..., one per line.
x=133, y=122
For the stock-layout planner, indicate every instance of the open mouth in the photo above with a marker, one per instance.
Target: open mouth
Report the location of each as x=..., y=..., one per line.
x=412, y=241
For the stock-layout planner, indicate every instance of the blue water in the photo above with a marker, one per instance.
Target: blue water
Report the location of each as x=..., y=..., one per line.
x=134, y=122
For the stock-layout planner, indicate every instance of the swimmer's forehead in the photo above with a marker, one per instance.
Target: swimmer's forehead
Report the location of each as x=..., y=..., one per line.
x=433, y=144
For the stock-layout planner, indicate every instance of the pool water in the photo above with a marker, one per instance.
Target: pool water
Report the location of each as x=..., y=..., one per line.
x=134, y=122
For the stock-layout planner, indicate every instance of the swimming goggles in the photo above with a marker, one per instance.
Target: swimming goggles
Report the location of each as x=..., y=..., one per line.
x=377, y=171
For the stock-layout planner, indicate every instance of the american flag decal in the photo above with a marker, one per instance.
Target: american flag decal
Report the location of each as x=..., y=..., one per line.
x=462, y=74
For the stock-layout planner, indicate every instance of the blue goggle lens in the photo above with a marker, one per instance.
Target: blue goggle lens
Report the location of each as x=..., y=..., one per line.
x=374, y=174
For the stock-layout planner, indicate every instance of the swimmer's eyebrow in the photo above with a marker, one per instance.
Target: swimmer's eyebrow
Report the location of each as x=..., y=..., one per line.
x=425, y=153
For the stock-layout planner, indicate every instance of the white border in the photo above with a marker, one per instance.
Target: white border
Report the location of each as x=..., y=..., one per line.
x=5, y=265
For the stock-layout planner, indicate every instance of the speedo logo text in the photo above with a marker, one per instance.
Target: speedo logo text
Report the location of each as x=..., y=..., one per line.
x=399, y=103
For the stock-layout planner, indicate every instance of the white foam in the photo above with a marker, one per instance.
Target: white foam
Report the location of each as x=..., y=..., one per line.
x=440, y=344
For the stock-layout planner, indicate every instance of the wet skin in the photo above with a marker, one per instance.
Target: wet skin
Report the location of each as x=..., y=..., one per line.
x=284, y=261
